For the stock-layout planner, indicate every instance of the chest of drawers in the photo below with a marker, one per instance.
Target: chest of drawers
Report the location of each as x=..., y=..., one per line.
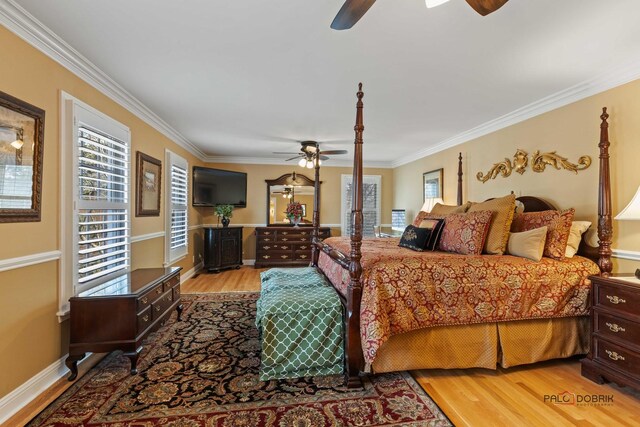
x=615, y=333
x=285, y=246
x=120, y=313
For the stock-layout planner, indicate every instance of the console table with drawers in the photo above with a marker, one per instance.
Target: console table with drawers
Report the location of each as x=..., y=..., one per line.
x=285, y=246
x=120, y=313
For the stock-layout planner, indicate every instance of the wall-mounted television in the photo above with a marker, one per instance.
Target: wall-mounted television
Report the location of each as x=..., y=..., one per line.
x=219, y=187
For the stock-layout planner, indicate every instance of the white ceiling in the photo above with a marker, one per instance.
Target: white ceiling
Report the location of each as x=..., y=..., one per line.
x=244, y=78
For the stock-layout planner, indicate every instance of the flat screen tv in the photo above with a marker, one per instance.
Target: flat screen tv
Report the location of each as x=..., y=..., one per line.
x=219, y=187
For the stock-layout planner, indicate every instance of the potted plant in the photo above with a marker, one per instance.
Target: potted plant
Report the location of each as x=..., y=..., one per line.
x=225, y=212
x=294, y=213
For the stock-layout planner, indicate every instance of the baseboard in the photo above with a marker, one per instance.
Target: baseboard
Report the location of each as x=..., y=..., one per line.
x=248, y=262
x=191, y=272
x=30, y=390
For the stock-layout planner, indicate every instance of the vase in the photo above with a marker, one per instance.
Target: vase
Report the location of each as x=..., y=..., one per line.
x=225, y=221
x=296, y=220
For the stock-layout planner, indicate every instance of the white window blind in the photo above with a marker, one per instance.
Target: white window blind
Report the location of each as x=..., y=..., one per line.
x=178, y=224
x=102, y=207
x=371, y=197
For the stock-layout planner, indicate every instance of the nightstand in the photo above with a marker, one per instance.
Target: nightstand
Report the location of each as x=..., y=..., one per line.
x=615, y=331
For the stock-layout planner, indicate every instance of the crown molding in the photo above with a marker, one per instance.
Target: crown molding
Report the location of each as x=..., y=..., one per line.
x=27, y=27
x=606, y=81
x=333, y=163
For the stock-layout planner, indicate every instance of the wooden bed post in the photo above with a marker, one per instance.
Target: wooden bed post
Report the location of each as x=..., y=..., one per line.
x=605, y=228
x=353, y=346
x=315, y=251
x=459, y=179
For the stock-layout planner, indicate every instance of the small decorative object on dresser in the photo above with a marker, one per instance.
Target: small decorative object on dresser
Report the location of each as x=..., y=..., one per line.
x=225, y=212
x=295, y=213
x=222, y=248
x=615, y=332
x=285, y=246
x=120, y=313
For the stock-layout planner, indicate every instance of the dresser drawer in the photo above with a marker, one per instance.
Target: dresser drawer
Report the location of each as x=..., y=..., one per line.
x=266, y=240
x=171, y=282
x=162, y=304
x=607, y=325
x=265, y=233
x=618, y=298
x=148, y=297
x=144, y=319
x=618, y=357
x=276, y=256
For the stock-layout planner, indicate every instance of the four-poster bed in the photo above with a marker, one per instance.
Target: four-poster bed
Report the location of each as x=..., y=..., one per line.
x=448, y=334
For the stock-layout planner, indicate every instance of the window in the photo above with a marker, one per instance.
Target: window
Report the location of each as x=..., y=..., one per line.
x=176, y=208
x=398, y=219
x=371, y=195
x=95, y=220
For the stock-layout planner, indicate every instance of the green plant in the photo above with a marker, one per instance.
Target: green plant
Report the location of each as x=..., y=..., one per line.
x=224, y=211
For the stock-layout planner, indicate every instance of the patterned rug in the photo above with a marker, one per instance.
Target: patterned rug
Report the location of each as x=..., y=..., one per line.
x=203, y=371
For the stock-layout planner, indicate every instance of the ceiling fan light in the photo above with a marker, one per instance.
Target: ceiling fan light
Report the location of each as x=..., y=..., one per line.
x=434, y=3
x=302, y=162
x=309, y=165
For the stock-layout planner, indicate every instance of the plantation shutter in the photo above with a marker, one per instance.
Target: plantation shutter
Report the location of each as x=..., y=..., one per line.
x=101, y=207
x=177, y=199
x=371, y=196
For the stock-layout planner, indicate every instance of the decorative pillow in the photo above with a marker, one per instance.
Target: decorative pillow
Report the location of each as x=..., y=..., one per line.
x=465, y=233
x=503, y=209
x=528, y=244
x=578, y=228
x=558, y=227
x=440, y=209
x=435, y=226
x=415, y=238
x=422, y=215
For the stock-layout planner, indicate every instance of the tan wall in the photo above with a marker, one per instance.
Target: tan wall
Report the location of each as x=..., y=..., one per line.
x=32, y=338
x=573, y=131
x=256, y=210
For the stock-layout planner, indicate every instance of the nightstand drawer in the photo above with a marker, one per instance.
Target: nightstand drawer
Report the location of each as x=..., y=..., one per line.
x=615, y=327
x=618, y=357
x=618, y=298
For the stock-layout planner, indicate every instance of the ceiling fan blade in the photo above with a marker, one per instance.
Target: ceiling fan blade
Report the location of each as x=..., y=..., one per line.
x=293, y=158
x=334, y=152
x=485, y=7
x=283, y=152
x=323, y=158
x=350, y=13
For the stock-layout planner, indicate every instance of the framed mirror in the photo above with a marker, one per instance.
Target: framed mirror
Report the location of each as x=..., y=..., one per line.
x=21, y=145
x=287, y=189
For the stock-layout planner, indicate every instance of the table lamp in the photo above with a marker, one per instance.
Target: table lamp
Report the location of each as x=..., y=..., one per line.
x=429, y=203
x=631, y=212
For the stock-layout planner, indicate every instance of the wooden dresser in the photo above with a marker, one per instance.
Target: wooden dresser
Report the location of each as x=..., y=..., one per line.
x=285, y=246
x=222, y=248
x=120, y=313
x=615, y=333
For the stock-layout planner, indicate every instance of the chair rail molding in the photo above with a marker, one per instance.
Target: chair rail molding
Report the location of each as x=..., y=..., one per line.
x=27, y=260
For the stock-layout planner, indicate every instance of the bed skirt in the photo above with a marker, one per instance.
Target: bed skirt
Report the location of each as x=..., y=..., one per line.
x=484, y=345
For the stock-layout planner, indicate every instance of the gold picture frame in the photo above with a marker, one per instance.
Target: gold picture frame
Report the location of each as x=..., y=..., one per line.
x=148, y=184
x=21, y=156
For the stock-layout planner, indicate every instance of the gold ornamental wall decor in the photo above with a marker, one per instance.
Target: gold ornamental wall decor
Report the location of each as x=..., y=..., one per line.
x=539, y=163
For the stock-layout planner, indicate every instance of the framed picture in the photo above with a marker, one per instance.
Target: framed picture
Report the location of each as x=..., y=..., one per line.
x=148, y=181
x=21, y=145
x=432, y=184
x=304, y=209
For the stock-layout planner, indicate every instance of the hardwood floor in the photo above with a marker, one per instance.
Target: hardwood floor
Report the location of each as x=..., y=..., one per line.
x=471, y=397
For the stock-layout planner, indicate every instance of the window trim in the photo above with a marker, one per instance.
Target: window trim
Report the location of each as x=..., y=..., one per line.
x=70, y=108
x=173, y=256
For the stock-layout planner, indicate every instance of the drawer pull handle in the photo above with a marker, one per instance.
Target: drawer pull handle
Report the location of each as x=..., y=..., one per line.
x=266, y=248
x=615, y=299
x=284, y=247
x=284, y=240
x=145, y=318
x=266, y=256
x=303, y=247
x=285, y=232
x=168, y=298
x=267, y=233
x=284, y=256
x=144, y=300
x=267, y=240
x=157, y=308
x=614, y=327
x=613, y=355
x=303, y=256
x=158, y=291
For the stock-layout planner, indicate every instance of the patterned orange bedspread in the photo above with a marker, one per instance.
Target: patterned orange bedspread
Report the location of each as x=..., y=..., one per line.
x=404, y=290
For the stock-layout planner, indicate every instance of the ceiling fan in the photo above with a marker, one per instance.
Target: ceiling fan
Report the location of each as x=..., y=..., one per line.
x=352, y=10
x=310, y=153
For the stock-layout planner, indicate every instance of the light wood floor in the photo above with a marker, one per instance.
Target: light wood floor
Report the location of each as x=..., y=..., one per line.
x=470, y=397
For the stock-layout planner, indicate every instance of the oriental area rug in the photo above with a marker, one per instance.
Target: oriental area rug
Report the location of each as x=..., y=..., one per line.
x=203, y=371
